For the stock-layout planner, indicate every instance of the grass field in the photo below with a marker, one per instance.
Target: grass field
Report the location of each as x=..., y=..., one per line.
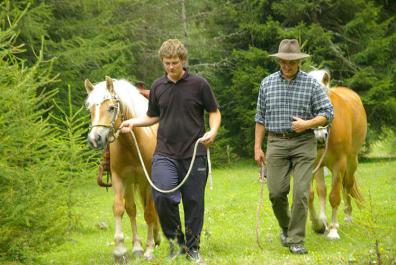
x=230, y=225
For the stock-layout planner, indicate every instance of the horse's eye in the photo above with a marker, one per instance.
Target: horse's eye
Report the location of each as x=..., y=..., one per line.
x=111, y=108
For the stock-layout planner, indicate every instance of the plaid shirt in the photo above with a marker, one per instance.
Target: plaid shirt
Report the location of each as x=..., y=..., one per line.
x=280, y=99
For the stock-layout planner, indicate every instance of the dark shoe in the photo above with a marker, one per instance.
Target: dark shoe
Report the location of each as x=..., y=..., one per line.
x=175, y=249
x=283, y=238
x=193, y=255
x=298, y=249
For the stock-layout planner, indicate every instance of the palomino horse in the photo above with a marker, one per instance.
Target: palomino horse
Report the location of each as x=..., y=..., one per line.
x=347, y=135
x=109, y=102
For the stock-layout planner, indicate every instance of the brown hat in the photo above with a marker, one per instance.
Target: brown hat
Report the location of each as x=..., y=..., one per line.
x=289, y=50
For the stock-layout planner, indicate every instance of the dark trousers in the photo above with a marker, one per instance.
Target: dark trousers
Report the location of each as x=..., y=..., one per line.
x=167, y=173
x=285, y=157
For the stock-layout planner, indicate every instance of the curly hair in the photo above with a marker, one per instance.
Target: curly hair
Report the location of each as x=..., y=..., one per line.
x=172, y=48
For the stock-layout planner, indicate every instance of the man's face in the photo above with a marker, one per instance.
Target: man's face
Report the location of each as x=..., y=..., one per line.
x=289, y=68
x=173, y=67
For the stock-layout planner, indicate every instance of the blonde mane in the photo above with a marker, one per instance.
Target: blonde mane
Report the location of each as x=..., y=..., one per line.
x=129, y=96
x=323, y=77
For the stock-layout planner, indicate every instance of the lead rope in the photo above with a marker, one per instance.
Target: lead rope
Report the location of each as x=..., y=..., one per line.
x=262, y=180
x=187, y=174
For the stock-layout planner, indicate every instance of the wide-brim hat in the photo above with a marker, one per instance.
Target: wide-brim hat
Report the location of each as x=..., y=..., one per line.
x=289, y=49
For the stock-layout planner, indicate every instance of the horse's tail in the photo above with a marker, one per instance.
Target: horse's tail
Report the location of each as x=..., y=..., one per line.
x=355, y=192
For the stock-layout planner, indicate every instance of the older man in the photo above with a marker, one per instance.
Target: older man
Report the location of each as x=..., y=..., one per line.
x=290, y=103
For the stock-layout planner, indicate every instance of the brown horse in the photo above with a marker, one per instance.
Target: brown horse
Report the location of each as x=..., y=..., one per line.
x=109, y=102
x=347, y=135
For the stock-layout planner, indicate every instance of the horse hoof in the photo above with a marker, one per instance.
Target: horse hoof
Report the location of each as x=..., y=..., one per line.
x=333, y=235
x=320, y=230
x=137, y=252
x=149, y=255
x=120, y=256
x=348, y=219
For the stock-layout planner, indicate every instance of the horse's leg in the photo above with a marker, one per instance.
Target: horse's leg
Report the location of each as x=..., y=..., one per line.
x=149, y=217
x=322, y=192
x=349, y=183
x=157, y=229
x=120, y=251
x=348, y=206
x=130, y=205
x=338, y=174
x=319, y=224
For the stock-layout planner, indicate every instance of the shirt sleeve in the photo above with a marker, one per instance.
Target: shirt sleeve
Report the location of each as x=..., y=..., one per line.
x=260, y=113
x=321, y=105
x=153, y=108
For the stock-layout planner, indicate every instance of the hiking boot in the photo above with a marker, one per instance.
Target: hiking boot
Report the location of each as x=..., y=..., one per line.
x=193, y=256
x=283, y=238
x=298, y=249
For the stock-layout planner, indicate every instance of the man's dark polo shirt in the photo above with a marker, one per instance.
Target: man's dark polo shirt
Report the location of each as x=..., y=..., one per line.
x=180, y=107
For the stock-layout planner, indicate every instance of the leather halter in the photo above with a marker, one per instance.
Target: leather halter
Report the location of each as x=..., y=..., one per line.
x=110, y=138
x=113, y=133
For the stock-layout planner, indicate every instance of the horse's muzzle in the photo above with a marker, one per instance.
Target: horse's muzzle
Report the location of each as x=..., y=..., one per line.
x=97, y=139
x=321, y=135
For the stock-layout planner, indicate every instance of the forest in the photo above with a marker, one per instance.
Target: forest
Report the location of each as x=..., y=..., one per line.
x=49, y=47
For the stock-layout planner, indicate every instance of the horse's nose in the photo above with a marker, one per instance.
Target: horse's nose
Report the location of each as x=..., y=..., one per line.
x=96, y=141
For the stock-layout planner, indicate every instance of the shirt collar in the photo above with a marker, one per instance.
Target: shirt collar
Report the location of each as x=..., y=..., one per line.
x=295, y=77
x=185, y=76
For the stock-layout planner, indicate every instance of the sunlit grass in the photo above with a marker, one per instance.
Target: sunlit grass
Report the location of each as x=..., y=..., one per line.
x=230, y=225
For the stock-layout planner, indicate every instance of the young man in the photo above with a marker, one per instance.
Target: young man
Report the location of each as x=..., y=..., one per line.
x=178, y=101
x=290, y=103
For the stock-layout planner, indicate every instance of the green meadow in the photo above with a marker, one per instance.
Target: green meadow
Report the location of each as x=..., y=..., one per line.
x=229, y=233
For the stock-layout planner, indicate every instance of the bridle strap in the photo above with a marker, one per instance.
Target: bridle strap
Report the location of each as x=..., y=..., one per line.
x=112, y=135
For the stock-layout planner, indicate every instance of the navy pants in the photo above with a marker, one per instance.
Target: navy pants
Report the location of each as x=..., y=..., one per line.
x=167, y=173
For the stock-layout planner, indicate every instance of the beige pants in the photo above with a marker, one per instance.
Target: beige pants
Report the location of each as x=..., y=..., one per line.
x=285, y=157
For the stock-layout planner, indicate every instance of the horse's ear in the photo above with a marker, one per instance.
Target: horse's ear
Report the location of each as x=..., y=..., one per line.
x=88, y=86
x=109, y=84
x=326, y=79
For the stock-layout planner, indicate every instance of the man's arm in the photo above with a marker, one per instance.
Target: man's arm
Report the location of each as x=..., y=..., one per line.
x=259, y=134
x=143, y=121
x=300, y=125
x=214, y=124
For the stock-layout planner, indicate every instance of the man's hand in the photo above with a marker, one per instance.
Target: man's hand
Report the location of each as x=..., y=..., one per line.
x=299, y=125
x=126, y=126
x=208, y=138
x=259, y=156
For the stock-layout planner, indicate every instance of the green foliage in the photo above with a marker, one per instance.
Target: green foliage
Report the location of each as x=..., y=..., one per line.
x=74, y=159
x=42, y=160
x=354, y=39
x=31, y=199
x=239, y=109
x=358, y=55
x=222, y=153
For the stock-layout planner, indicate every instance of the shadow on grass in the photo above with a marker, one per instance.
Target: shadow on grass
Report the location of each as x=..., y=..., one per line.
x=365, y=159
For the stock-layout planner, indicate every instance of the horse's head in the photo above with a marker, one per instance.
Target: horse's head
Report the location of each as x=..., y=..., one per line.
x=110, y=102
x=105, y=108
x=323, y=78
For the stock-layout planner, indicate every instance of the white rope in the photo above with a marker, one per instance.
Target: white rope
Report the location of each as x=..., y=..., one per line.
x=209, y=170
x=260, y=205
x=187, y=174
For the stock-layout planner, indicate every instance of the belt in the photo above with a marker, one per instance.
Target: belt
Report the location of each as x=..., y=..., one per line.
x=288, y=135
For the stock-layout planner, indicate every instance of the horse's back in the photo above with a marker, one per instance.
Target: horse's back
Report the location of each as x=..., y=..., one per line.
x=349, y=126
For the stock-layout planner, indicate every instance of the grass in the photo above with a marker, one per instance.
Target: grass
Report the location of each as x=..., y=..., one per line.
x=230, y=224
